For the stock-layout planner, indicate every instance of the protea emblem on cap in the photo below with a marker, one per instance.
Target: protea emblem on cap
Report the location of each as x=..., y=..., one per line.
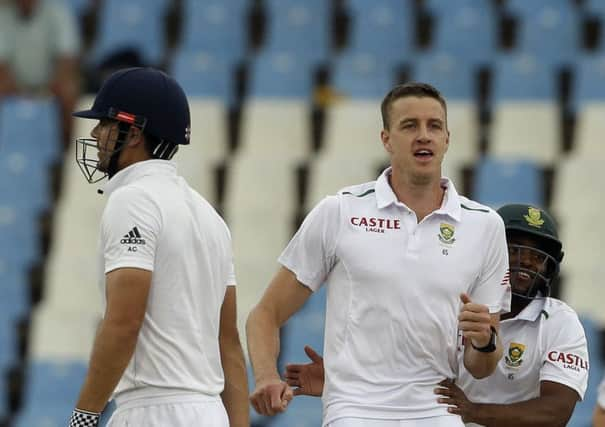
x=534, y=217
x=446, y=233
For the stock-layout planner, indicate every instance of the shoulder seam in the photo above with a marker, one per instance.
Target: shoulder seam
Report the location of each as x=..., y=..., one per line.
x=463, y=206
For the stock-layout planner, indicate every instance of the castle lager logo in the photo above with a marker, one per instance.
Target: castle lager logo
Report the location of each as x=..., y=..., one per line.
x=568, y=360
x=375, y=225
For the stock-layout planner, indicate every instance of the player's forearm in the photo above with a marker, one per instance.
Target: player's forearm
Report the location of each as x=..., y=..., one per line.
x=235, y=394
x=481, y=365
x=8, y=84
x=112, y=350
x=599, y=417
x=538, y=412
x=263, y=343
x=66, y=79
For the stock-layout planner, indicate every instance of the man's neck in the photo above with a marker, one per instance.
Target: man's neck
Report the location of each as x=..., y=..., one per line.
x=516, y=306
x=421, y=197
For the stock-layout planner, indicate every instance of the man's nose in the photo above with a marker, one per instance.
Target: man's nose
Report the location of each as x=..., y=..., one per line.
x=423, y=134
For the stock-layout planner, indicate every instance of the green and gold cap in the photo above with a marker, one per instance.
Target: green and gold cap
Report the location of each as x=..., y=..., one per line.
x=534, y=221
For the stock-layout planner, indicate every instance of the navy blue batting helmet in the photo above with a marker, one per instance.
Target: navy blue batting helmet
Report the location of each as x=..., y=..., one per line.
x=148, y=96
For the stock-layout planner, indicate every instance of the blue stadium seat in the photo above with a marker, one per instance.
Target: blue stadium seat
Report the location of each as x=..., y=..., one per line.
x=8, y=355
x=299, y=26
x=135, y=24
x=596, y=7
x=582, y=416
x=280, y=75
x=383, y=27
x=30, y=126
x=498, y=182
x=360, y=75
x=19, y=246
x=523, y=77
x=14, y=293
x=204, y=74
x=218, y=26
x=589, y=80
x=548, y=29
x=455, y=79
x=23, y=181
x=464, y=28
x=8, y=348
x=44, y=378
x=79, y=7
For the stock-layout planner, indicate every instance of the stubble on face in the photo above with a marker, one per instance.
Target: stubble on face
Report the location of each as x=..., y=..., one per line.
x=107, y=134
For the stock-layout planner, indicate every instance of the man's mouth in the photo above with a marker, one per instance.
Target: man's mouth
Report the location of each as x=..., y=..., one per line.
x=423, y=153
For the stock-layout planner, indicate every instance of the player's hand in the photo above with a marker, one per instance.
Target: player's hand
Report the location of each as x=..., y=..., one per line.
x=271, y=396
x=474, y=322
x=458, y=403
x=309, y=378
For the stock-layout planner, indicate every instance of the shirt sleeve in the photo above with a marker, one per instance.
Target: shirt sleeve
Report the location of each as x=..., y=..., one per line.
x=492, y=287
x=130, y=228
x=601, y=395
x=310, y=255
x=230, y=279
x=565, y=360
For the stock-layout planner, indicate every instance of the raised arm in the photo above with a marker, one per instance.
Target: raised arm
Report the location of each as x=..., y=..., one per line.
x=284, y=297
x=477, y=324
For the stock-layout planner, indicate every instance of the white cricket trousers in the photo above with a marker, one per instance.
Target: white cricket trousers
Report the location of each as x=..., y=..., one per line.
x=442, y=421
x=173, y=411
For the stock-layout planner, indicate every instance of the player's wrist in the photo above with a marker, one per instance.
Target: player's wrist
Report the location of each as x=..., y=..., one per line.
x=475, y=413
x=82, y=418
x=488, y=346
x=268, y=378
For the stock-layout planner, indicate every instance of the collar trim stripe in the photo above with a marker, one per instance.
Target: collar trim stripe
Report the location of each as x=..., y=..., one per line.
x=370, y=191
x=463, y=206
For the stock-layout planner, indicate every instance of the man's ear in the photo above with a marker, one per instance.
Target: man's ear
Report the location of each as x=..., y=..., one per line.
x=385, y=137
x=135, y=136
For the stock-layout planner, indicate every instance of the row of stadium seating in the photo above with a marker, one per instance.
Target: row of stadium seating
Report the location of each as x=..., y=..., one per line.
x=552, y=29
x=263, y=163
x=284, y=101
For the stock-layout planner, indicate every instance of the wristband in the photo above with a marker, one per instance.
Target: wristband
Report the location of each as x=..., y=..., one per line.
x=81, y=418
x=491, y=345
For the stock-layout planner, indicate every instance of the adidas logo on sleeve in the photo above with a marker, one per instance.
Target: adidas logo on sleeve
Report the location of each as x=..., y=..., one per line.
x=133, y=238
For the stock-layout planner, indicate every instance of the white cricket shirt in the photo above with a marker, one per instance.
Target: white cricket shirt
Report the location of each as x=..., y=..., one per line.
x=154, y=221
x=393, y=293
x=545, y=342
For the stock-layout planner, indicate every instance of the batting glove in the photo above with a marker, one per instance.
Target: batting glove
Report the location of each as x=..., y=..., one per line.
x=80, y=418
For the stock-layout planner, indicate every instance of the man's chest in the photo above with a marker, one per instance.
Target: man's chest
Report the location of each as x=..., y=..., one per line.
x=387, y=248
x=523, y=353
